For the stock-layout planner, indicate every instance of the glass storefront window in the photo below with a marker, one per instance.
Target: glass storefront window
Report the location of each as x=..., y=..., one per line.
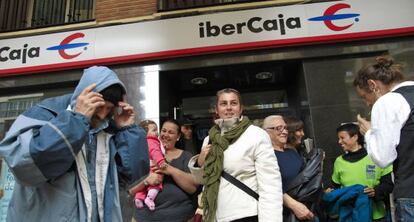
x=10, y=107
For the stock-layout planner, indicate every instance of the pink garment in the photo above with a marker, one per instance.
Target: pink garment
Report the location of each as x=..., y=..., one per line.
x=154, y=148
x=156, y=155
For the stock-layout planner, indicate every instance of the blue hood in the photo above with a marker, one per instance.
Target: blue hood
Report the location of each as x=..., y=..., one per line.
x=101, y=75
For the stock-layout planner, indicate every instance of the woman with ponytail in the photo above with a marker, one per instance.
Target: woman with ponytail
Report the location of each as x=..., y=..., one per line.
x=390, y=134
x=245, y=152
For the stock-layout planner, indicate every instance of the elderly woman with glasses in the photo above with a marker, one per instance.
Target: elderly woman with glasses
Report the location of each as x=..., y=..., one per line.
x=290, y=164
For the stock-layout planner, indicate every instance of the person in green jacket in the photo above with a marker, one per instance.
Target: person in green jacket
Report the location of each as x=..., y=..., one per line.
x=356, y=167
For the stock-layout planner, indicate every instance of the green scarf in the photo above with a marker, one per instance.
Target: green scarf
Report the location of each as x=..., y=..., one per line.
x=214, y=164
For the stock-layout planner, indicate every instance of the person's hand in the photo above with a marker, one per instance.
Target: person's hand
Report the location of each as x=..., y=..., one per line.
x=153, y=165
x=203, y=155
x=328, y=190
x=369, y=191
x=88, y=101
x=124, y=115
x=164, y=166
x=154, y=179
x=164, y=169
x=364, y=125
x=302, y=212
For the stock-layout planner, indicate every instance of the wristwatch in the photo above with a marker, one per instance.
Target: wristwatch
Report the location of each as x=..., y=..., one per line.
x=146, y=183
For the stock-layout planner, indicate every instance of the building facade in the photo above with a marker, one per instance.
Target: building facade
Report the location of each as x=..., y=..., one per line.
x=285, y=57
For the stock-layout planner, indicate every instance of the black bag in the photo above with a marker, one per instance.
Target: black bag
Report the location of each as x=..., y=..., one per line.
x=307, y=185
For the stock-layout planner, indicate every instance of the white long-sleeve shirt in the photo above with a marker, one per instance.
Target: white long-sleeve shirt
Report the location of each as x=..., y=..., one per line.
x=388, y=116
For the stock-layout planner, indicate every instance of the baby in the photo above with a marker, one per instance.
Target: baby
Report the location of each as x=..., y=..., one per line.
x=150, y=192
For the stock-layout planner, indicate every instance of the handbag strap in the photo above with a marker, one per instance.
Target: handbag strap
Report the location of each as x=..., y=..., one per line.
x=239, y=184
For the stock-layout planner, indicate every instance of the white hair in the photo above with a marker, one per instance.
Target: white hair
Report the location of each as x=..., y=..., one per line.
x=269, y=119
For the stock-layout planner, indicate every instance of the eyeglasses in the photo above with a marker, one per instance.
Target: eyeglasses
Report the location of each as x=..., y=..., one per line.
x=278, y=128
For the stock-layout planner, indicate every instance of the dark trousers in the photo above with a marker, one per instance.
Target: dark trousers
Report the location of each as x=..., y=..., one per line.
x=247, y=219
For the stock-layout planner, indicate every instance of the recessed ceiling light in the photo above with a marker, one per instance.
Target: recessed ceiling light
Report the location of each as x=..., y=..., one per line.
x=264, y=75
x=199, y=81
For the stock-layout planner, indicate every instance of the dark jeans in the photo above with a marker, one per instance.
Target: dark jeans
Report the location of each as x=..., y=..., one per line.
x=404, y=209
x=127, y=206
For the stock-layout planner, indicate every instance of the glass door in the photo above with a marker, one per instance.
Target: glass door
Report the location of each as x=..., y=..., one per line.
x=10, y=108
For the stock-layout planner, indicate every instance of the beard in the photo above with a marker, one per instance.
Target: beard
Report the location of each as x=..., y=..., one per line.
x=96, y=121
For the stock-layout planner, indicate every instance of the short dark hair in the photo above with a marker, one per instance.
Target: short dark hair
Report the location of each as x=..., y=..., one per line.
x=384, y=70
x=185, y=122
x=113, y=94
x=352, y=129
x=293, y=124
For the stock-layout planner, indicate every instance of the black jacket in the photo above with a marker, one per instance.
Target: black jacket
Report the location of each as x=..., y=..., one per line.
x=307, y=185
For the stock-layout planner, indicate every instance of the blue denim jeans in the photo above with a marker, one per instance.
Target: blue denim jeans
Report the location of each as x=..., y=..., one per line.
x=404, y=209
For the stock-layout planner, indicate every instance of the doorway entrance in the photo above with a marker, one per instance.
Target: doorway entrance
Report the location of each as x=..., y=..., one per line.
x=267, y=88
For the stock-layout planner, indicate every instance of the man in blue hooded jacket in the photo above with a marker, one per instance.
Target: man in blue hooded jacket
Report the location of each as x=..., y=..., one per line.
x=66, y=153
